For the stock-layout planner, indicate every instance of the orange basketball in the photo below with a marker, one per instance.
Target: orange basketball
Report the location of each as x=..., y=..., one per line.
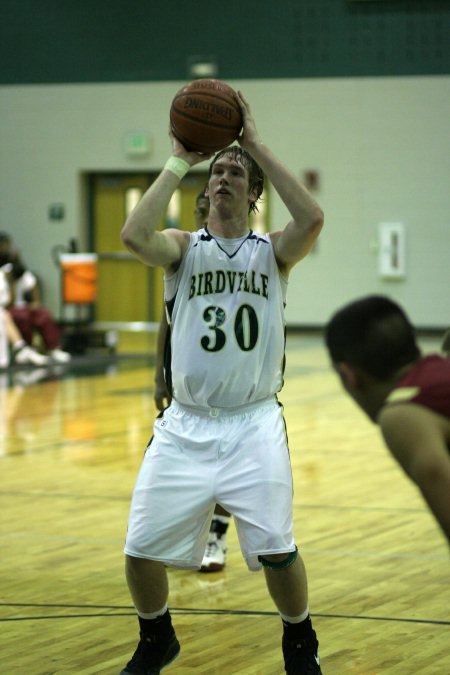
x=205, y=115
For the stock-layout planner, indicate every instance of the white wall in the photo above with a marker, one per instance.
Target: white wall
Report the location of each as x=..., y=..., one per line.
x=381, y=146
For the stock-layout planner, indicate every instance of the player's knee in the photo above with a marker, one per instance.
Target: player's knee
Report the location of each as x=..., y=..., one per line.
x=279, y=561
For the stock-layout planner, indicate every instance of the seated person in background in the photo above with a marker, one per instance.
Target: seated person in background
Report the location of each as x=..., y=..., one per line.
x=7, y=252
x=445, y=347
x=216, y=546
x=25, y=306
x=19, y=293
x=22, y=353
x=373, y=349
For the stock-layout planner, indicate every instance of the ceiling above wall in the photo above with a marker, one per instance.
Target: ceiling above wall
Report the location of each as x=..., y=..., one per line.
x=73, y=41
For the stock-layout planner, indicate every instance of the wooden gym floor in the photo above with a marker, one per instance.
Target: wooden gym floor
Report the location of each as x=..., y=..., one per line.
x=71, y=442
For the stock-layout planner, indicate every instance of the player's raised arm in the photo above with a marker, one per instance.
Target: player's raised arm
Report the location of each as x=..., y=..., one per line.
x=296, y=240
x=140, y=234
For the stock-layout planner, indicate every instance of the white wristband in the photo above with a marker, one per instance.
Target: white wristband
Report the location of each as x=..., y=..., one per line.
x=178, y=166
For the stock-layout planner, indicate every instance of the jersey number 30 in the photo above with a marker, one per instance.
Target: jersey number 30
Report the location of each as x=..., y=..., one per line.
x=245, y=328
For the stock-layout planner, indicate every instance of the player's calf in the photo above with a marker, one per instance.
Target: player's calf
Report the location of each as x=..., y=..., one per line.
x=299, y=643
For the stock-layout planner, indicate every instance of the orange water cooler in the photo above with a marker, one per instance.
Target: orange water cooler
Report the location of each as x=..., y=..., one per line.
x=79, y=278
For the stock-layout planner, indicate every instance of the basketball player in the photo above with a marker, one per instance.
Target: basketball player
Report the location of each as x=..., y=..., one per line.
x=445, y=347
x=374, y=351
x=223, y=438
x=216, y=546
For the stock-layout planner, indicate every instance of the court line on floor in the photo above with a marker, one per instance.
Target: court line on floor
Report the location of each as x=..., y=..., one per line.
x=310, y=551
x=368, y=554
x=63, y=444
x=32, y=494
x=200, y=612
x=318, y=507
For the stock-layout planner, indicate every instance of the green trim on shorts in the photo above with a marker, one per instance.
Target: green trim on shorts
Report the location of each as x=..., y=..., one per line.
x=287, y=562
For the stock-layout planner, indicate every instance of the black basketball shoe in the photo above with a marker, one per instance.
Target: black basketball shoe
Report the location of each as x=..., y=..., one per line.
x=153, y=653
x=301, y=656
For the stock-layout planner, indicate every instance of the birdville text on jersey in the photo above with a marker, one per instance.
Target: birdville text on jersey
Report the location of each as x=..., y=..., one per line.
x=218, y=281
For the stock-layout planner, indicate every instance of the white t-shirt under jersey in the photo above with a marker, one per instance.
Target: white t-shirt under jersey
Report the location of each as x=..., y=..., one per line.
x=227, y=322
x=22, y=286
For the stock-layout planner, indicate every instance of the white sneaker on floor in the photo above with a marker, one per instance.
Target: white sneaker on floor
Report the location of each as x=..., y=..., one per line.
x=60, y=356
x=215, y=552
x=29, y=356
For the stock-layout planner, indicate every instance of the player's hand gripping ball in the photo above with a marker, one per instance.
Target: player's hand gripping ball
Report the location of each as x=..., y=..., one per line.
x=205, y=116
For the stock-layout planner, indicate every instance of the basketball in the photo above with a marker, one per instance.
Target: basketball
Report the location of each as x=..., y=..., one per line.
x=205, y=115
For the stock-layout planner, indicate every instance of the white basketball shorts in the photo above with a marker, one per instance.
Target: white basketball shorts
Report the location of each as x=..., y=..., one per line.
x=239, y=460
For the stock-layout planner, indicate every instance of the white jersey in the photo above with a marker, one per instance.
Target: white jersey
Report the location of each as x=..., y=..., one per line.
x=22, y=286
x=5, y=294
x=226, y=310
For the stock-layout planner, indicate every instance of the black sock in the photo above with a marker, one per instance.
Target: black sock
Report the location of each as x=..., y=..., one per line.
x=160, y=627
x=300, y=630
